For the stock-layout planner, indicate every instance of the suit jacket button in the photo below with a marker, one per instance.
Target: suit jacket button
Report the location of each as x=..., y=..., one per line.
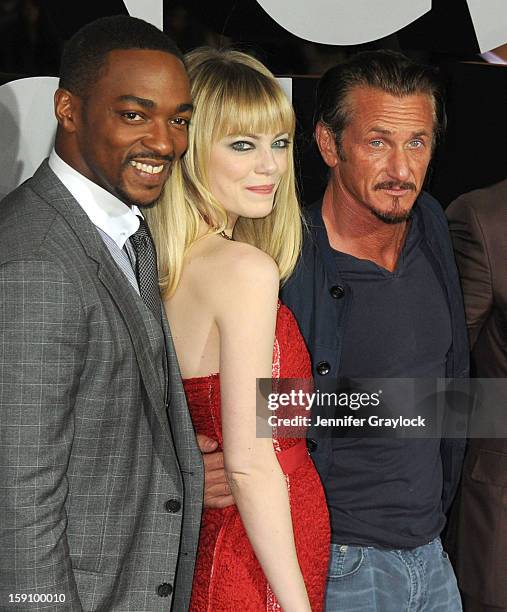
x=172, y=505
x=323, y=368
x=164, y=589
x=337, y=292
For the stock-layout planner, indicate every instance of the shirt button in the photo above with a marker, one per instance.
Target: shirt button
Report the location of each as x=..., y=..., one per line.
x=172, y=505
x=337, y=292
x=164, y=589
x=323, y=368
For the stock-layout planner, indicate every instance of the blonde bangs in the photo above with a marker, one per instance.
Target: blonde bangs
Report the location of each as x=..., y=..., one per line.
x=253, y=109
x=233, y=94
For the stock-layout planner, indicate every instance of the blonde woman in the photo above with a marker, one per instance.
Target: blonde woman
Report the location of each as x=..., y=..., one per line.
x=227, y=233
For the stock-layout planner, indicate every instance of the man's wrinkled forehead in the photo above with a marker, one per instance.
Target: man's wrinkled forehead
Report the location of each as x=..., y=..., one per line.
x=360, y=99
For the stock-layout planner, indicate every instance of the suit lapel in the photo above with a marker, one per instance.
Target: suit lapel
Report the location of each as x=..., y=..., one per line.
x=121, y=293
x=50, y=188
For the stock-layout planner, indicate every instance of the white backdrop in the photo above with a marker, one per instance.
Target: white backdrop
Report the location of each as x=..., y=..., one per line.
x=27, y=123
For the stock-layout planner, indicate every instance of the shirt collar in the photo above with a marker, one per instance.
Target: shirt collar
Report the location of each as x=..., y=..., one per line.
x=105, y=211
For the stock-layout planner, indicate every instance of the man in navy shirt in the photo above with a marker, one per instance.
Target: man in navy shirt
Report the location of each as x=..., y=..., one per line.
x=377, y=295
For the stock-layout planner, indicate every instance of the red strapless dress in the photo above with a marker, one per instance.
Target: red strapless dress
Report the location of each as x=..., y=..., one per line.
x=228, y=576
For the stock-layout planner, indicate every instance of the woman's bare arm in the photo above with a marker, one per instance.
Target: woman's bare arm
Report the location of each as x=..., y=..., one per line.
x=245, y=307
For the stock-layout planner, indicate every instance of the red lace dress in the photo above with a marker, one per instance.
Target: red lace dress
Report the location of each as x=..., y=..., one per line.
x=228, y=576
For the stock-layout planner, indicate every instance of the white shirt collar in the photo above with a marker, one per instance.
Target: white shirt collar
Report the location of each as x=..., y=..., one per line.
x=105, y=211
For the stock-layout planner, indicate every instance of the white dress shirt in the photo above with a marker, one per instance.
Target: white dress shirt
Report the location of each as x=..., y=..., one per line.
x=114, y=220
x=105, y=211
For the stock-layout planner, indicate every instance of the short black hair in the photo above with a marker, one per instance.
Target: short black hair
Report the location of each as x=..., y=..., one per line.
x=84, y=55
x=389, y=71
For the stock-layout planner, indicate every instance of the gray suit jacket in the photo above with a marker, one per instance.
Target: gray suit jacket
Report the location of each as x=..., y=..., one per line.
x=95, y=435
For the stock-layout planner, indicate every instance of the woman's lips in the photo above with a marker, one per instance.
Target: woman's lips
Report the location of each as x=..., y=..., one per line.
x=262, y=189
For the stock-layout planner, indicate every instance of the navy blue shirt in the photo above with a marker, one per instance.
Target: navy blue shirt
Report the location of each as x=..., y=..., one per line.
x=322, y=302
x=398, y=326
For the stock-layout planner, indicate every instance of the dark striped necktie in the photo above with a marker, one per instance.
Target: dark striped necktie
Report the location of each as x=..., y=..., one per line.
x=146, y=268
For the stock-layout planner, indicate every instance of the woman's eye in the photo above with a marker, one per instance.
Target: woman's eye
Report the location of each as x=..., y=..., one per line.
x=242, y=145
x=281, y=143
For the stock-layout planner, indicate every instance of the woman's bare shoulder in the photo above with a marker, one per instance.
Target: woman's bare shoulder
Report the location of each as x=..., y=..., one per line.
x=235, y=271
x=240, y=255
x=244, y=264
x=229, y=260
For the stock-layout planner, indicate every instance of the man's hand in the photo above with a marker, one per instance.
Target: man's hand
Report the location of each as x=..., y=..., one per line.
x=217, y=493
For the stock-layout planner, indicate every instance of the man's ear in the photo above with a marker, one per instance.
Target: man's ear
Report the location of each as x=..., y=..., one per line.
x=67, y=108
x=327, y=144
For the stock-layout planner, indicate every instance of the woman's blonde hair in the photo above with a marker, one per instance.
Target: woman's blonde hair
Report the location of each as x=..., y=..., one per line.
x=233, y=93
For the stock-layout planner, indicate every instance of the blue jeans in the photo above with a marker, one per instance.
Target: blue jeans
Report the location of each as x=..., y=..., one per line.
x=367, y=579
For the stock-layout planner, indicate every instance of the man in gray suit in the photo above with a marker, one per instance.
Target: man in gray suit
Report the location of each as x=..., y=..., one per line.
x=101, y=479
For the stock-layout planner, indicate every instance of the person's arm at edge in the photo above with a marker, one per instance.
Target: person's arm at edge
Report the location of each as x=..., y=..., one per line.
x=41, y=356
x=470, y=249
